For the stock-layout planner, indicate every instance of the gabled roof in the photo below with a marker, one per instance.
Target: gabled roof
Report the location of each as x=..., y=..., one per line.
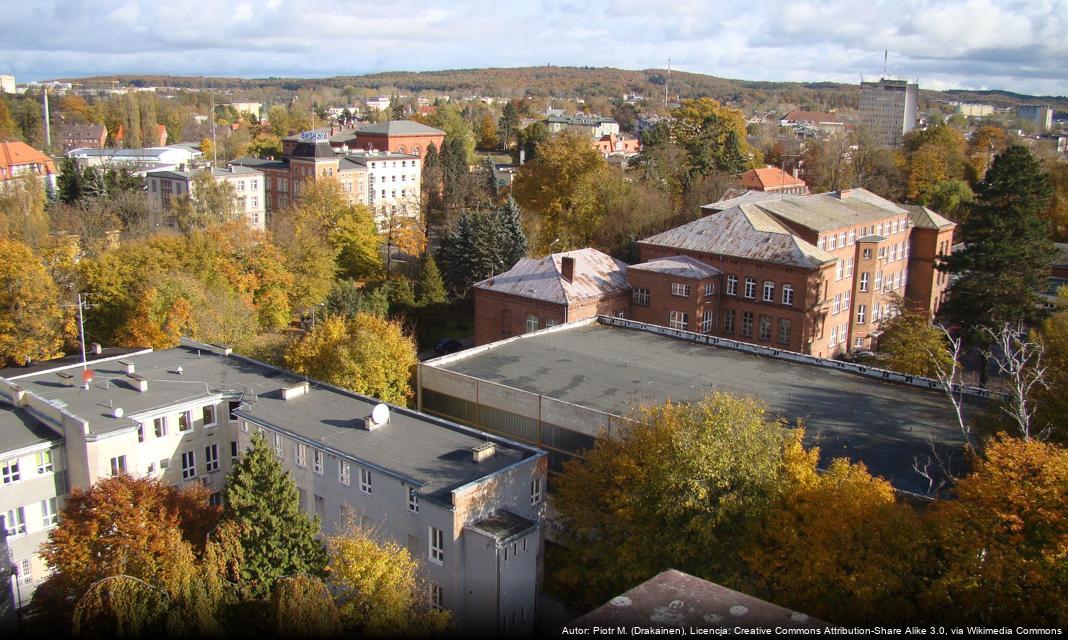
x=682, y=266
x=17, y=153
x=926, y=219
x=769, y=178
x=826, y=211
x=744, y=231
x=736, y=196
x=399, y=128
x=79, y=130
x=596, y=274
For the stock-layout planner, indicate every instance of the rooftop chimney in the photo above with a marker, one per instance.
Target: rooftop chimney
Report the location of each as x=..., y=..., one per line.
x=65, y=378
x=140, y=382
x=483, y=452
x=567, y=268
x=295, y=391
x=127, y=366
x=96, y=348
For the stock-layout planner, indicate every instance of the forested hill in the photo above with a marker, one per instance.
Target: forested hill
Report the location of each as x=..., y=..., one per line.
x=583, y=82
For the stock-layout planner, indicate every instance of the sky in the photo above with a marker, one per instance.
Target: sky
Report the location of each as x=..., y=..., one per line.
x=1012, y=45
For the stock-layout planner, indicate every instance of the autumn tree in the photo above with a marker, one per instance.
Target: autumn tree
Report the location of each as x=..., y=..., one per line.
x=22, y=211
x=1057, y=212
x=1000, y=544
x=378, y=588
x=208, y=202
x=558, y=192
x=31, y=321
x=658, y=493
x=1007, y=253
x=366, y=353
x=527, y=142
x=348, y=298
x=1051, y=401
x=714, y=137
x=303, y=607
x=276, y=537
x=909, y=343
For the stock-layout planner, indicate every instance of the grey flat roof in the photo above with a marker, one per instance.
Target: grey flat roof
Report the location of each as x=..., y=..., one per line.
x=398, y=128
x=611, y=369
x=18, y=430
x=431, y=451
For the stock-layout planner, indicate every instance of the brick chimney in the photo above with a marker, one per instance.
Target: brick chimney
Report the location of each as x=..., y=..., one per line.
x=567, y=268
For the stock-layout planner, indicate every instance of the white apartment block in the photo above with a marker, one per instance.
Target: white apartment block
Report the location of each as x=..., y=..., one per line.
x=250, y=199
x=394, y=183
x=468, y=505
x=7, y=84
x=888, y=108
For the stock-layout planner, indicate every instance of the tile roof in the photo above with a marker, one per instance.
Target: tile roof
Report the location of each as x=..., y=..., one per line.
x=682, y=266
x=78, y=130
x=744, y=231
x=596, y=274
x=399, y=128
x=769, y=178
x=16, y=153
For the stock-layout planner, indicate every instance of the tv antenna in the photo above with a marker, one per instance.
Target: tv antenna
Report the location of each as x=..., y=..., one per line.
x=886, y=53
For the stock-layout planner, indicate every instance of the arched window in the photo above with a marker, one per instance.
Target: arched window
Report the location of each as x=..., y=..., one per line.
x=415, y=150
x=402, y=149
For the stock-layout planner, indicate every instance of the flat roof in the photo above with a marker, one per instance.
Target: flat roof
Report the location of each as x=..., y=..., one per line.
x=433, y=453
x=882, y=424
x=18, y=430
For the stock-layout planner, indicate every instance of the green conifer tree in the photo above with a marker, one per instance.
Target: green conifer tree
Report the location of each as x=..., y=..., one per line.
x=278, y=539
x=431, y=286
x=69, y=182
x=513, y=241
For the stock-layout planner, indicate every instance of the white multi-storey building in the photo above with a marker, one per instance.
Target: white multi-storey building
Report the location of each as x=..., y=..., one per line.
x=249, y=189
x=469, y=505
x=888, y=108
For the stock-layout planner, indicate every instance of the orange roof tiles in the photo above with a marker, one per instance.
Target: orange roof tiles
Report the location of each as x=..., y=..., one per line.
x=769, y=179
x=15, y=154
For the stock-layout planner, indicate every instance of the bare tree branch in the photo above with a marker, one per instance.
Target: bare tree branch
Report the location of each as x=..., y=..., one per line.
x=1020, y=362
x=952, y=381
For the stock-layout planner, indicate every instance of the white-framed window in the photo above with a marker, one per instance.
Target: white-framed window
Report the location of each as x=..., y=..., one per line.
x=784, y=331
x=834, y=337
x=732, y=285
x=837, y=308
x=750, y=288
x=437, y=597
x=866, y=254
x=849, y=267
x=160, y=426
x=302, y=455
x=215, y=499
x=10, y=471
x=189, y=464
x=861, y=311
x=278, y=444
x=343, y=473
x=413, y=500
x=118, y=465
x=864, y=281
x=211, y=457
x=832, y=242
x=317, y=462
x=532, y=323
x=640, y=297
x=839, y=268
x=151, y=467
x=209, y=415
x=44, y=462
x=49, y=513
x=858, y=343
x=678, y=320
x=437, y=545
x=15, y=522
x=535, y=491
x=842, y=239
x=878, y=280
x=25, y=572
x=852, y=237
x=710, y=288
x=728, y=321
x=365, y=481
x=769, y=291
x=140, y=432
x=820, y=243
x=679, y=289
x=845, y=302
x=788, y=294
x=706, y=321
x=185, y=421
x=843, y=333
x=164, y=463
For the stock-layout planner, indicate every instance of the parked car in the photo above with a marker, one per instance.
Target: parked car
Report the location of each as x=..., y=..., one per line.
x=448, y=345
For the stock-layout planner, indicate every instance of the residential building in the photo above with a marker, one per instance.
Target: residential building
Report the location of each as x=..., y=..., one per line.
x=163, y=186
x=254, y=109
x=544, y=292
x=930, y=238
x=888, y=108
x=594, y=126
x=1040, y=115
x=469, y=505
x=706, y=604
x=393, y=183
x=81, y=136
x=819, y=120
x=135, y=159
x=560, y=388
x=974, y=110
x=7, y=84
x=19, y=159
x=618, y=145
x=772, y=179
x=378, y=103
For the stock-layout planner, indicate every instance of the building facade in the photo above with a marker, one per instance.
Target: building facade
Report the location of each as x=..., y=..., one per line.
x=18, y=159
x=78, y=136
x=888, y=108
x=399, y=136
x=1041, y=115
x=164, y=186
x=469, y=505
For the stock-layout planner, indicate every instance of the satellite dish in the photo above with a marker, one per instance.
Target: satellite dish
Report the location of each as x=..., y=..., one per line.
x=380, y=414
x=118, y=412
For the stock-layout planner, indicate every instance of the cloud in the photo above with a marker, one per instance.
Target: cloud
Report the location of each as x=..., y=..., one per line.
x=1007, y=44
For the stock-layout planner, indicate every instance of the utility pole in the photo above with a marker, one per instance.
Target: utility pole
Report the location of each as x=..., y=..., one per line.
x=667, y=83
x=81, y=326
x=47, y=126
x=214, y=145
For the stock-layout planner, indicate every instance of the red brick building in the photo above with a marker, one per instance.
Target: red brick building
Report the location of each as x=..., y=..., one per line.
x=543, y=292
x=399, y=136
x=82, y=136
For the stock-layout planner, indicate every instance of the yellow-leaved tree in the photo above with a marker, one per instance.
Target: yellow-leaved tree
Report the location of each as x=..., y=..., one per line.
x=364, y=353
x=31, y=320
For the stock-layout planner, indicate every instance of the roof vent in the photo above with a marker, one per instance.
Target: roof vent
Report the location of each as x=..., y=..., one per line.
x=65, y=378
x=295, y=391
x=117, y=412
x=140, y=382
x=483, y=452
x=127, y=366
x=96, y=348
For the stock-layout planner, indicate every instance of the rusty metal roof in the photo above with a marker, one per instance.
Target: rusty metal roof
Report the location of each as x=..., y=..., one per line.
x=827, y=211
x=682, y=266
x=744, y=231
x=596, y=274
x=926, y=219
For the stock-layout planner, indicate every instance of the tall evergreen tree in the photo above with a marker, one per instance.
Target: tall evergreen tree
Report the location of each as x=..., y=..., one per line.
x=1007, y=252
x=431, y=286
x=481, y=244
x=278, y=539
x=513, y=240
x=69, y=181
x=92, y=184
